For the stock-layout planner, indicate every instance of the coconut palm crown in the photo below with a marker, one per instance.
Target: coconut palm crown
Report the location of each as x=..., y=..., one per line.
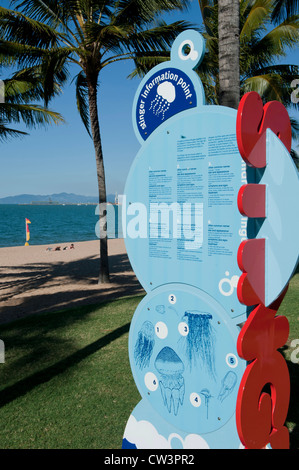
x=263, y=45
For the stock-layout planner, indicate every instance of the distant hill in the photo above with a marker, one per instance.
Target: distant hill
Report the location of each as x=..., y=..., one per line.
x=61, y=198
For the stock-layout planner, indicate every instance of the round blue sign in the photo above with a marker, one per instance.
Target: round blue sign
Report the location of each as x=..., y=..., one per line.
x=166, y=93
x=183, y=356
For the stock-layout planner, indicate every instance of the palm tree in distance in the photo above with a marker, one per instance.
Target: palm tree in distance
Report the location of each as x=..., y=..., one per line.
x=91, y=35
x=268, y=29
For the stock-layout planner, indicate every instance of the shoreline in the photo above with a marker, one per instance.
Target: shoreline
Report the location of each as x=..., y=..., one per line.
x=50, y=244
x=36, y=280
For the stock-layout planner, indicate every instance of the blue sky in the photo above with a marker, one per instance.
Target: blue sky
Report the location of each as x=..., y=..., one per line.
x=61, y=158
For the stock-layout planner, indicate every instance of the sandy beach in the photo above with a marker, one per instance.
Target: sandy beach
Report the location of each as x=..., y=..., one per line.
x=37, y=279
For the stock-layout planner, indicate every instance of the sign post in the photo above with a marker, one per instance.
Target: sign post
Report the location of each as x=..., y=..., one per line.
x=182, y=235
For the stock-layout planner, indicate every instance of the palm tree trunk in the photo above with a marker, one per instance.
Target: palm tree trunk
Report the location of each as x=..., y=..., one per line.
x=96, y=136
x=229, y=52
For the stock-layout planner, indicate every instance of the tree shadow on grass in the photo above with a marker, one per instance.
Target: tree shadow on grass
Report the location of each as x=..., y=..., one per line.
x=55, y=286
x=27, y=384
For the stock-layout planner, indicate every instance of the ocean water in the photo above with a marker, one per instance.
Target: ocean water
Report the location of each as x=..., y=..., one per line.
x=50, y=224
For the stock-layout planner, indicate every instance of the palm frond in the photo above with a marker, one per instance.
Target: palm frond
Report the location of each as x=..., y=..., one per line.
x=295, y=128
x=54, y=71
x=268, y=86
x=20, y=55
x=158, y=38
x=295, y=156
x=82, y=99
x=32, y=115
x=208, y=9
x=281, y=37
x=49, y=12
x=7, y=132
x=16, y=27
x=143, y=12
x=256, y=19
x=146, y=61
x=283, y=9
x=279, y=76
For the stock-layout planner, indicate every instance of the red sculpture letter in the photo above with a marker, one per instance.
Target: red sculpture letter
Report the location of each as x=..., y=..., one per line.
x=263, y=397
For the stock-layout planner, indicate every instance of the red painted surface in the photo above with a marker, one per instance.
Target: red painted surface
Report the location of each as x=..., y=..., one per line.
x=252, y=121
x=251, y=260
x=245, y=292
x=252, y=200
x=261, y=415
x=264, y=392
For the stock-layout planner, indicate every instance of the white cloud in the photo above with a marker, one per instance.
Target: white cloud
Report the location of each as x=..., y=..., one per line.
x=145, y=436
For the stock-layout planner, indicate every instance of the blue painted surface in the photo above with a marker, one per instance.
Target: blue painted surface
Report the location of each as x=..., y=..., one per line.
x=280, y=228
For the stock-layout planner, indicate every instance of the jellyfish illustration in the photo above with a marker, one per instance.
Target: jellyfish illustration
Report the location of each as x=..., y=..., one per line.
x=227, y=385
x=144, y=345
x=172, y=383
x=200, y=340
x=160, y=309
x=206, y=393
x=174, y=310
x=164, y=97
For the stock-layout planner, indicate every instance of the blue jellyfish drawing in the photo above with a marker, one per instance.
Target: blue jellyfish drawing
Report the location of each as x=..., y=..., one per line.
x=227, y=385
x=206, y=393
x=200, y=341
x=160, y=309
x=144, y=345
x=174, y=310
x=172, y=383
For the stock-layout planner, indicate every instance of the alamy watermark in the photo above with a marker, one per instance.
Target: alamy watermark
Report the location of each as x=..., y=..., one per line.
x=2, y=352
x=158, y=220
x=295, y=93
x=2, y=92
x=295, y=353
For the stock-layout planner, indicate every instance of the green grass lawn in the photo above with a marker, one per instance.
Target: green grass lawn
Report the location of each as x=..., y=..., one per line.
x=67, y=382
x=290, y=308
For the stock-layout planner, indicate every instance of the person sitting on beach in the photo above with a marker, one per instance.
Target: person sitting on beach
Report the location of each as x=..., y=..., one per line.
x=58, y=248
x=71, y=247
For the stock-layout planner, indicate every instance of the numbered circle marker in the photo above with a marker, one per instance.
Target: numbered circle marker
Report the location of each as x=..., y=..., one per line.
x=151, y=382
x=231, y=360
x=195, y=400
x=161, y=330
x=183, y=328
x=172, y=299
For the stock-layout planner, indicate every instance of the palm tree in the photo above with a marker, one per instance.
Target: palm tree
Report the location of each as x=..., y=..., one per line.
x=262, y=45
x=229, y=53
x=229, y=44
x=92, y=35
